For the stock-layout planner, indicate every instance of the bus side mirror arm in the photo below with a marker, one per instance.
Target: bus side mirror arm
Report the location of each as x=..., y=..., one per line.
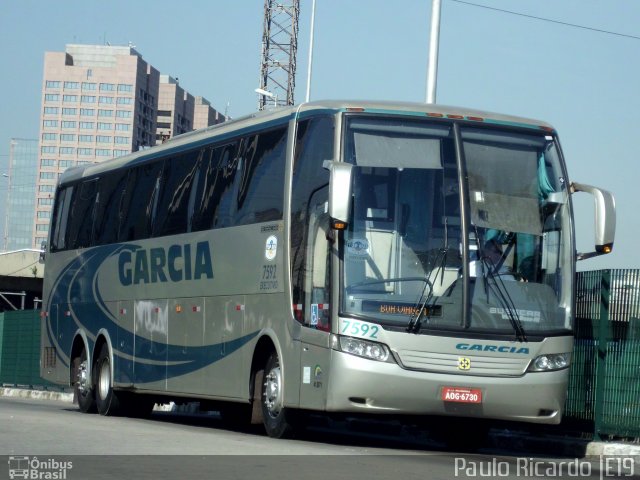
x=605, y=221
x=339, y=193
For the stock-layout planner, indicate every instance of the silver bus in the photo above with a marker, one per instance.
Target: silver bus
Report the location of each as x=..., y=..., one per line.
x=352, y=257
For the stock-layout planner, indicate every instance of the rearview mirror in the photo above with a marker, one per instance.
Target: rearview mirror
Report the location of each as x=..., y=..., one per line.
x=339, y=192
x=605, y=219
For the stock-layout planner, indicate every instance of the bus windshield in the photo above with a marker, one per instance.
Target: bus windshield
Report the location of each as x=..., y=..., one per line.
x=403, y=249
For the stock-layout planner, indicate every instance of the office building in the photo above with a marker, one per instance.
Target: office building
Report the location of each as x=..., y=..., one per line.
x=20, y=182
x=180, y=112
x=100, y=102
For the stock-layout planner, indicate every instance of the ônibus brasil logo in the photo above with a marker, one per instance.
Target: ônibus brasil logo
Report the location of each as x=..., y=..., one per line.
x=34, y=468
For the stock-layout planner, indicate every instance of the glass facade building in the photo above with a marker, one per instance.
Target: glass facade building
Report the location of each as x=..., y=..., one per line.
x=20, y=204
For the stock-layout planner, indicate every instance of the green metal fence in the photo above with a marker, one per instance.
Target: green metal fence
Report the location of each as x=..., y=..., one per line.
x=20, y=349
x=604, y=386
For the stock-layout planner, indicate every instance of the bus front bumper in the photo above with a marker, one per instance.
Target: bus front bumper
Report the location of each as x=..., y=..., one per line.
x=365, y=386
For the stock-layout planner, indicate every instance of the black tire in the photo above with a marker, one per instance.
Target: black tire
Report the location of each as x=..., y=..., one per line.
x=83, y=390
x=107, y=400
x=277, y=419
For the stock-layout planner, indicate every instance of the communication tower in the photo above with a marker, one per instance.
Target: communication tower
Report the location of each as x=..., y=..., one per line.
x=279, y=48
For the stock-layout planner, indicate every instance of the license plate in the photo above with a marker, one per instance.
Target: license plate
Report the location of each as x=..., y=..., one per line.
x=462, y=395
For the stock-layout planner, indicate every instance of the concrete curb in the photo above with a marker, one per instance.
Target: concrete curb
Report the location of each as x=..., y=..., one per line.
x=613, y=449
x=68, y=397
x=556, y=445
x=36, y=394
x=192, y=408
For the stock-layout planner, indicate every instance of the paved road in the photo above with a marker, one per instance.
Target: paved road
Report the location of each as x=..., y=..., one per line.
x=111, y=447
x=58, y=428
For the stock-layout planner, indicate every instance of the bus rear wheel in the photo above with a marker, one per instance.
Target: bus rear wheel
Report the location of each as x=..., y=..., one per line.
x=83, y=390
x=107, y=400
x=276, y=417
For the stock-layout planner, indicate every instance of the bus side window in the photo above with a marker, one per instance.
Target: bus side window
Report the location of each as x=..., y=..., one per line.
x=110, y=191
x=261, y=184
x=201, y=218
x=82, y=214
x=213, y=190
x=60, y=219
x=223, y=186
x=310, y=259
x=138, y=205
x=173, y=200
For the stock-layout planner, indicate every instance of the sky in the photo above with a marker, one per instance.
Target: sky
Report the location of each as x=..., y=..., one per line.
x=582, y=81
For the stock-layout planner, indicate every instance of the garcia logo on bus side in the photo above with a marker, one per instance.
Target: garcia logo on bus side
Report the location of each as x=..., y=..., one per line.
x=176, y=263
x=479, y=347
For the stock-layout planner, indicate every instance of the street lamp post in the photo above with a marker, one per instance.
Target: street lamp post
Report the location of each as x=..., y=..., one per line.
x=434, y=40
x=269, y=94
x=313, y=18
x=6, y=216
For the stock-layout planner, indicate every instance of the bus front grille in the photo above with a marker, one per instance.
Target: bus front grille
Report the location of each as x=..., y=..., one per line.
x=484, y=365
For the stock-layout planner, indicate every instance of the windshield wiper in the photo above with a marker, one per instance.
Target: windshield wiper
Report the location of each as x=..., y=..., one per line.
x=502, y=294
x=416, y=319
x=441, y=261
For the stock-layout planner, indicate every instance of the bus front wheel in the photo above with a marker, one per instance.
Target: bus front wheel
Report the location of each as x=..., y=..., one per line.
x=276, y=417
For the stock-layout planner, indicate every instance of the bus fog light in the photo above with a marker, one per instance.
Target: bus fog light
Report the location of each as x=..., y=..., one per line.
x=364, y=348
x=549, y=362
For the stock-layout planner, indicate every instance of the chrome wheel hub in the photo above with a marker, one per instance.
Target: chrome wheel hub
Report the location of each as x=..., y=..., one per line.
x=273, y=392
x=83, y=379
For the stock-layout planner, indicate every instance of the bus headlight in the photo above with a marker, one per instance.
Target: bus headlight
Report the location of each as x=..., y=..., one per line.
x=363, y=348
x=550, y=361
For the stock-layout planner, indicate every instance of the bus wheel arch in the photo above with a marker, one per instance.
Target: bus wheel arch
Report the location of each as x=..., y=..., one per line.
x=81, y=375
x=261, y=353
x=267, y=392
